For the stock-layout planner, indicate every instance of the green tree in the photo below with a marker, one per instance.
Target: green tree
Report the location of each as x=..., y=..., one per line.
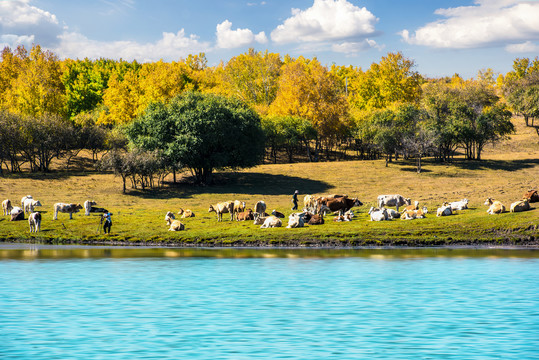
x=205, y=132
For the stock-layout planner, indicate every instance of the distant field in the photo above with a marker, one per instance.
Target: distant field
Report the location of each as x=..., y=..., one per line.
x=508, y=169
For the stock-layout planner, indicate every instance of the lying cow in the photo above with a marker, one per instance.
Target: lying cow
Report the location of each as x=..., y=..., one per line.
x=378, y=214
x=316, y=219
x=444, y=210
x=186, y=213
x=459, y=205
x=278, y=214
x=30, y=204
x=495, y=206
x=412, y=207
x=222, y=208
x=271, y=222
x=518, y=206
x=296, y=220
x=414, y=214
x=393, y=200
x=532, y=195
x=88, y=206
x=17, y=214
x=34, y=221
x=66, y=208
x=6, y=207
x=245, y=215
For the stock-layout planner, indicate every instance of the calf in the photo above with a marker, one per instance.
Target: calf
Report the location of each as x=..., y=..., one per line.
x=34, y=220
x=414, y=214
x=444, y=210
x=239, y=206
x=6, y=207
x=245, y=215
x=186, y=213
x=316, y=219
x=532, y=195
x=378, y=214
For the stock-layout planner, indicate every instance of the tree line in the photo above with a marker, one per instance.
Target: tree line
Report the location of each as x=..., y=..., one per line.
x=300, y=108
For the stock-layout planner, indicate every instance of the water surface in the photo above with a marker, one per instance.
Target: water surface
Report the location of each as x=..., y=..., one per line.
x=125, y=303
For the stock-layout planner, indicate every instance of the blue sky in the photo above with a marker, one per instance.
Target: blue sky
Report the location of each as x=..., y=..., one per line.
x=442, y=37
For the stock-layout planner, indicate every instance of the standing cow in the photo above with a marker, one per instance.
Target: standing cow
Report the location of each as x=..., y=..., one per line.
x=34, y=221
x=66, y=208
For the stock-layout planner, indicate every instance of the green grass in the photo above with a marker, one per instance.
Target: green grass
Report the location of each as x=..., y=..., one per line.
x=508, y=170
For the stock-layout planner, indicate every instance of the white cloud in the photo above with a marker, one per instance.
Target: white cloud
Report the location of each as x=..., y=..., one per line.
x=228, y=38
x=170, y=47
x=326, y=20
x=486, y=23
x=525, y=47
x=353, y=48
x=22, y=21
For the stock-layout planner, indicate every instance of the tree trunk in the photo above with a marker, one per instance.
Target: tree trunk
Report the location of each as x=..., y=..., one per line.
x=419, y=164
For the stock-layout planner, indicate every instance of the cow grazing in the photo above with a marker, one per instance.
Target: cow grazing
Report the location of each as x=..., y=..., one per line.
x=6, y=207
x=459, y=205
x=532, y=196
x=271, y=222
x=88, y=206
x=518, y=206
x=378, y=214
x=186, y=213
x=34, y=221
x=495, y=206
x=340, y=204
x=296, y=220
x=316, y=219
x=260, y=208
x=17, y=214
x=245, y=215
x=222, y=208
x=239, y=206
x=66, y=208
x=24, y=198
x=393, y=200
x=278, y=214
x=444, y=210
x=414, y=214
x=30, y=204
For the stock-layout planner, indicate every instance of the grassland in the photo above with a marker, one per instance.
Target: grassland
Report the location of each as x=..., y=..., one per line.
x=508, y=169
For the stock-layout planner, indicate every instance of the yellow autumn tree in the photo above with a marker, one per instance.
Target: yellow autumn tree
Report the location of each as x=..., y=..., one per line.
x=308, y=90
x=38, y=88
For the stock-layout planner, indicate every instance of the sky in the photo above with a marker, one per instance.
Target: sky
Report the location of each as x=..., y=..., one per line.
x=443, y=37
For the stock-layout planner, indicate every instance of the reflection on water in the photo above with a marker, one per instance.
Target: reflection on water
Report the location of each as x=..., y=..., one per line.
x=32, y=251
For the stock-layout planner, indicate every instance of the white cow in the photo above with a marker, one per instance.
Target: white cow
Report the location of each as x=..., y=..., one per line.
x=445, y=210
x=459, y=205
x=34, y=220
x=30, y=204
x=6, y=207
x=24, y=198
x=378, y=214
x=271, y=222
x=393, y=214
x=393, y=200
x=88, y=206
x=66, y=208
x=296, y=220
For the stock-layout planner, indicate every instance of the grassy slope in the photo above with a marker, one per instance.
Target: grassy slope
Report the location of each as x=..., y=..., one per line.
x=508, y=170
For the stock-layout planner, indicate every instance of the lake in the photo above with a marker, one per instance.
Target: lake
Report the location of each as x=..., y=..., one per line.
x=143, y=303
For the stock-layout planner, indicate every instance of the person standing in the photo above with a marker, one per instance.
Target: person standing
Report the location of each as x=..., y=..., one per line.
x=108, y=222
x=295, y=200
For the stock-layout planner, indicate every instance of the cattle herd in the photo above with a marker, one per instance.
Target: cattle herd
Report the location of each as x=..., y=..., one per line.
x=314, y=210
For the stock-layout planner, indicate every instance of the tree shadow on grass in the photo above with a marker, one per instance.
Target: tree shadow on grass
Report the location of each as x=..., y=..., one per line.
x=237, y=183
x=51, y=175
x=506, y=165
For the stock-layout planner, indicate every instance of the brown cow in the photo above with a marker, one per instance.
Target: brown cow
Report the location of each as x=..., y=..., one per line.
x=245, y=215
x=340, y=204
x=316, y=219
x=186, y=213
x=531, y=195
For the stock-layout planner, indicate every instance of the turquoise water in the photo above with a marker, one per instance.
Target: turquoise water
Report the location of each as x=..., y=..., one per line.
x=71, y=303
